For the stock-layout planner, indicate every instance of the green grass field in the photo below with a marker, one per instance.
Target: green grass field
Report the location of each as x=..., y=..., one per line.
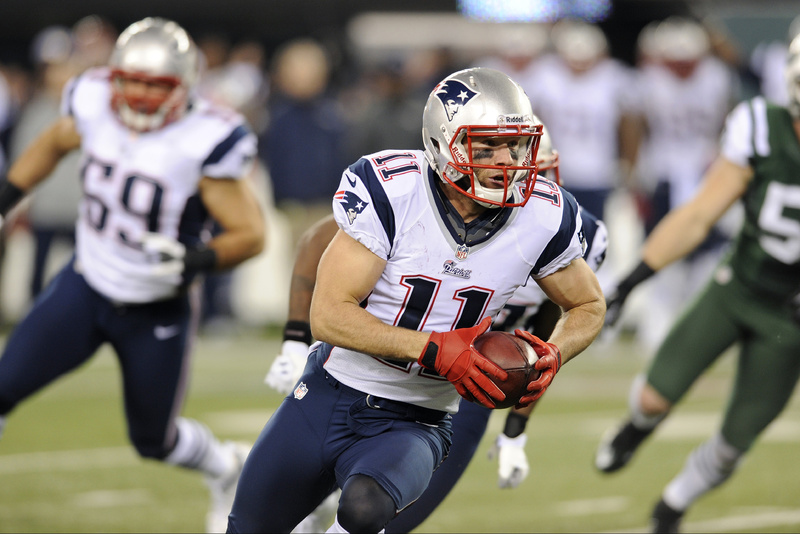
x=66, y=465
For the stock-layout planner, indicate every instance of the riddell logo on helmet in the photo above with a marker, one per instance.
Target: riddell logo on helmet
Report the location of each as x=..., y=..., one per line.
x=502, y=120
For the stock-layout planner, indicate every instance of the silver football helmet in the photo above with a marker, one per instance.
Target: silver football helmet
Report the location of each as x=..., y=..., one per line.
x=547, y=157
x=792, y=74
x=479, y=103
x=158, y=51
x=679, y=39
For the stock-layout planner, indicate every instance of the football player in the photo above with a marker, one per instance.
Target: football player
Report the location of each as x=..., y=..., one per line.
x=746, y=302
x=431, y=244
x=159, y=166
x=685, y=93
x=528, y=308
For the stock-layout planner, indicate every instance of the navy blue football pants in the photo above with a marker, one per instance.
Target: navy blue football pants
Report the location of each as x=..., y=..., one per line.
x=69, y=321
x=325, y=433
x=469, y=425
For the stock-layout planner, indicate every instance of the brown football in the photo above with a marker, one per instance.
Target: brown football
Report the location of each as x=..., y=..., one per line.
x=513, y=354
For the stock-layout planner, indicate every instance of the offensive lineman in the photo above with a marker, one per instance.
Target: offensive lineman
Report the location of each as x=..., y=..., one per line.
x=746, y=302
x=431, y=245
x=158, y=164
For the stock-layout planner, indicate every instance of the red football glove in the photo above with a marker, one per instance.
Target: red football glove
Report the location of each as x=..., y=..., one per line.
x=452, y=355
x=549, y=363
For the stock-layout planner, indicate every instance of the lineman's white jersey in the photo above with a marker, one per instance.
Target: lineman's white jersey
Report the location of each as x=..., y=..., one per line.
x=684, y=119
x=136, y=183
x=596, y=234
x=582, y=113
x=433, y=280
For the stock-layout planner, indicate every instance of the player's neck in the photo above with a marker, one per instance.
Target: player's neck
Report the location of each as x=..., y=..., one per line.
x=467, y=208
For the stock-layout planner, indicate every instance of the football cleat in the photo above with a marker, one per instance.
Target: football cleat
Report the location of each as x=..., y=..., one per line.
x=223, y=488
x=617, y=447
x=665, y=519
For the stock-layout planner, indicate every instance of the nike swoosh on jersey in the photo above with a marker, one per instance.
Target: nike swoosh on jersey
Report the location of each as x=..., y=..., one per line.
x=351, y=181
x=166, y=332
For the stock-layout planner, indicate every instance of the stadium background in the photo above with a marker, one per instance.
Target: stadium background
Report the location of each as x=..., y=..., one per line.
x=65, y=463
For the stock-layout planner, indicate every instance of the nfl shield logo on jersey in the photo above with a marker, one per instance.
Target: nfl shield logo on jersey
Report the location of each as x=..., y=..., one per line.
x=300, y=391
x=462, y=252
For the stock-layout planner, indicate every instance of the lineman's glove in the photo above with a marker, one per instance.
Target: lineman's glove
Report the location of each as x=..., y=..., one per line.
x=165, y=254
x=513, y=463
x=614, y=304
x=288, y=367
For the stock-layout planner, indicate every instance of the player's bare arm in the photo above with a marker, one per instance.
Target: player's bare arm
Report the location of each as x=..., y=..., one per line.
x=43, y=155
x=304, y=273
x=347, y=273
x=233, y=205
x=576, y=290
x=684, y=228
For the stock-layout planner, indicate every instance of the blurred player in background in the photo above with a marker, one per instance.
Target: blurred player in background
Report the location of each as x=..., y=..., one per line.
x=747, y=302
x=685, y=92
x=431, y=244
x=528, y=308
x=157, y=165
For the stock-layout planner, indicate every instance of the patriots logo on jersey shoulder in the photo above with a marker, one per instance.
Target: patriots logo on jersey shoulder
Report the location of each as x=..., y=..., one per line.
x=454, y=95
x=351, y=203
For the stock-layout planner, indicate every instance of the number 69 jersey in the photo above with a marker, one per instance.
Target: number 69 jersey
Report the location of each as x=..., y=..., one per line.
x=440, y=274
x=136, y=183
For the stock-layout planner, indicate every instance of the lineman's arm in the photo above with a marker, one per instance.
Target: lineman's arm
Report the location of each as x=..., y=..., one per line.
x=576, y=290
x=42, y=155
x=304, y=273
x=683, y=229
x=348, y=271
x=234, y=207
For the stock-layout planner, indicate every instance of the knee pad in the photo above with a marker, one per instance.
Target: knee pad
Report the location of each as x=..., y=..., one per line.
x=364, y=505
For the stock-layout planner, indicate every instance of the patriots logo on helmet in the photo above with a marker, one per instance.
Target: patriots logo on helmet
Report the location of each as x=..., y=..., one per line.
x=351, y=203
x=453, y=94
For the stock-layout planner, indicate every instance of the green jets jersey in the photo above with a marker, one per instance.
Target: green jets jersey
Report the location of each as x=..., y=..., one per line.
x=766, y=253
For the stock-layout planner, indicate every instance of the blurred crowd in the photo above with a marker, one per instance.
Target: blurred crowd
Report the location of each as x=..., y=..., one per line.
x=633, y=139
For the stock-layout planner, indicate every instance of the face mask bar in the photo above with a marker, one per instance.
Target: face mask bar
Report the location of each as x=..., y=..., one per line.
x=525, y=173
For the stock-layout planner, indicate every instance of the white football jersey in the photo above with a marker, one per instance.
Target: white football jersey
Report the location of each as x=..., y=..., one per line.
x=145, y=182
x=595, y=232
x=582, y=114
x=684, y=121
x=434, y=279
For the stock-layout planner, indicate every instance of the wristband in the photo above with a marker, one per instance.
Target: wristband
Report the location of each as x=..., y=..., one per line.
x=199, y=259
x=641, y=273
x=515, y=424
x=297, y=331
x=10, y=194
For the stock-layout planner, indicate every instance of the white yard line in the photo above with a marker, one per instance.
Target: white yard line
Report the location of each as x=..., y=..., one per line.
x=738, y=523
x=75, y=460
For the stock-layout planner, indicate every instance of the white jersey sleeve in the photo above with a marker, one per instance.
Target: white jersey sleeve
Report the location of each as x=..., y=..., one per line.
x=746, y=132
